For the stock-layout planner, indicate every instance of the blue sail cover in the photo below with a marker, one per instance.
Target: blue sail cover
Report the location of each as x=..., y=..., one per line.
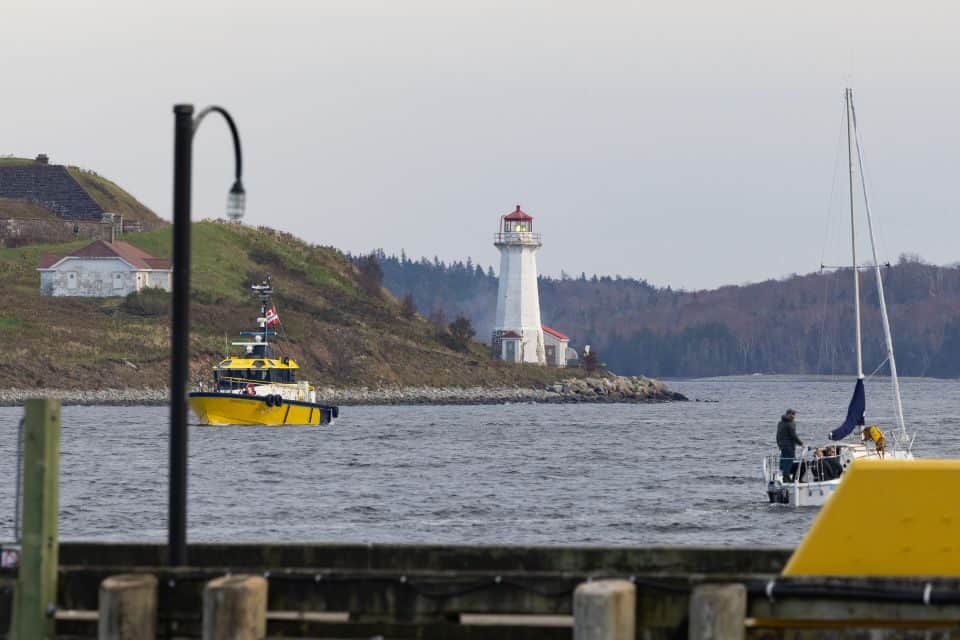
x=858, y=406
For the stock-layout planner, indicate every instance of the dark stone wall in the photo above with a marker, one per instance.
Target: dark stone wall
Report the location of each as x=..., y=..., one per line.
x=51, y=186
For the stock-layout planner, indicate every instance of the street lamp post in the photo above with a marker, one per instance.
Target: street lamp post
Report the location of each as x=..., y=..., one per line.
x=185, y=127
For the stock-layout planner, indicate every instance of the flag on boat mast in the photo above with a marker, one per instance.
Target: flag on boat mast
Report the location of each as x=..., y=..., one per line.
x=272, y=317
x=858, y=406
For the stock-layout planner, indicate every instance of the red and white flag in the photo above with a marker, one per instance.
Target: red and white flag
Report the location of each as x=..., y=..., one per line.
x=272, y=317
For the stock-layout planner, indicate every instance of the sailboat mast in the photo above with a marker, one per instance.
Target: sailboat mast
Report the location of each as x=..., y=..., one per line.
x=853, y=235
x=888, y=336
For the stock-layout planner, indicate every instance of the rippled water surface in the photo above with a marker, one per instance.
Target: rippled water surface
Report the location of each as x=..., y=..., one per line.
x=679, y=473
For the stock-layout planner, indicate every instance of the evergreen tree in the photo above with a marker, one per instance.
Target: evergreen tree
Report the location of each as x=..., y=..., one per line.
x=371, y=274
x=408, y=307
x=461, y=332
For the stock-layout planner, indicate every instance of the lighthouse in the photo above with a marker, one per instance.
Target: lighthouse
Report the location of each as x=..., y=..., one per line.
x=517, y=332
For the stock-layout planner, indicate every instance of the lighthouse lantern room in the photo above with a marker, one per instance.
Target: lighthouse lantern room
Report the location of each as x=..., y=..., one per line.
x=517, y=332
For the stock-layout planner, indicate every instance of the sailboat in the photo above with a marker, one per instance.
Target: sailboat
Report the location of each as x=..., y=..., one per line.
x=815, y=473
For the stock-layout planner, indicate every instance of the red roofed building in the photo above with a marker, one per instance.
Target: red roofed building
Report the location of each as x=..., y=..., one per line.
x=103, y=269
x=556, y=346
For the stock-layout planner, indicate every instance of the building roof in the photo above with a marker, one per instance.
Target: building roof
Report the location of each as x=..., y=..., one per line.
x=103, y=249
x=556, y=334
x=517, y=214
x=510, y=335
x=47, y=260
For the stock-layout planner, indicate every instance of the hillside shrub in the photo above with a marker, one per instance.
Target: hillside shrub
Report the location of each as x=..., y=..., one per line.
x=461, y=332
x=589, y=362
x=371, y=274
x=408, y=307
x=265, y=256
x=149, y=302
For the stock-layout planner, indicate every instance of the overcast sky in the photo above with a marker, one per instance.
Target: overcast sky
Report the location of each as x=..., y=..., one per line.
x=689, y=143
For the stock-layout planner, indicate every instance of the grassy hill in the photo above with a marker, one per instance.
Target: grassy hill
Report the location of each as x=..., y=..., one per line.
x=340, y=334
x=113, y=198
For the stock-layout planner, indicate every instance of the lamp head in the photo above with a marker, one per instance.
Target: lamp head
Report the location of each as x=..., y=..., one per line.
x=236, y=201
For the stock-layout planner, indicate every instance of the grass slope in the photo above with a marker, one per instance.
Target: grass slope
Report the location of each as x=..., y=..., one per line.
x=340, y=335
x=112, y=198
x=23, y=210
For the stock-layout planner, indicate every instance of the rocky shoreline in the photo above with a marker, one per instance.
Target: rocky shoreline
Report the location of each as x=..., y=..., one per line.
x=609, y=389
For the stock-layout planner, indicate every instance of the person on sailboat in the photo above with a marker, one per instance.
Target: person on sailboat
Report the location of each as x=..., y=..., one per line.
x=827, y=464
x=788, y=441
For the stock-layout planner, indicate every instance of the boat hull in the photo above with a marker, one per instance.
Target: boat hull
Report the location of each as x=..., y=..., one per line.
x=802, y=494
x=214, y=408
x=815, y=493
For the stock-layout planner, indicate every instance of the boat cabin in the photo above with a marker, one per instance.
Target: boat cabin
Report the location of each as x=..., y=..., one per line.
x=236, y=373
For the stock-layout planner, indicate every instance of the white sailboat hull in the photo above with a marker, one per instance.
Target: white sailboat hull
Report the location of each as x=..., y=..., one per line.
x=807, y=494
x=806, y=491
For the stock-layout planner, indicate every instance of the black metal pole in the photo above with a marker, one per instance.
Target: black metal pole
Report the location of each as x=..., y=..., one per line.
x=180, y=347
x=237, y=152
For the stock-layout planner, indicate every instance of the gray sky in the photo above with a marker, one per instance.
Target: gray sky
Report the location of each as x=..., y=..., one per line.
x=693, y=143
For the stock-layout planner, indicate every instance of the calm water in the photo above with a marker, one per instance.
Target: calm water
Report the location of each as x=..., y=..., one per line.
x=682, y=473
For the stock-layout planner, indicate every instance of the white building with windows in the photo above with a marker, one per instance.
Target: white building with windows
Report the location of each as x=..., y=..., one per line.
x=103, y=269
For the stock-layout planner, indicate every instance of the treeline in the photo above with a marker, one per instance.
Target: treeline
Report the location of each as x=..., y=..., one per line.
x=800, y=324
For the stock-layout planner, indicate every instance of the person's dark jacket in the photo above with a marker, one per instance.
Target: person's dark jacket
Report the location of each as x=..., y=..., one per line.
x=832, y=468
x=787, y=433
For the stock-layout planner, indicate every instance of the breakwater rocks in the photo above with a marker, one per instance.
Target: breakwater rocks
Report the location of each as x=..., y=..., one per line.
x=606, y=389
x=575, y=390
x=15, y=397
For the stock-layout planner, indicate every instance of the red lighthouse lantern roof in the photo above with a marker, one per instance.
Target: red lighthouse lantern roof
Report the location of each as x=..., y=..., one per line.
x=517, y=214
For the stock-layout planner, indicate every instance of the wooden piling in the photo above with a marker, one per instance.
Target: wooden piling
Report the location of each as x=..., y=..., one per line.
x=36, y=594
x=605, y=610
x=717, y=612
x=235, y=608
x=128, y=607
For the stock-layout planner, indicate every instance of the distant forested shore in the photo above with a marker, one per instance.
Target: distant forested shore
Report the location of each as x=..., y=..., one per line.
x=802, y=324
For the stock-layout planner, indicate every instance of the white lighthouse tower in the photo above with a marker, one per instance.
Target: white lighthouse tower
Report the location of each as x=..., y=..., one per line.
x=517, y=332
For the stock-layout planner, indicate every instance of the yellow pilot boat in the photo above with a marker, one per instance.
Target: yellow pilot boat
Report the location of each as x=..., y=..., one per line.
x=259, y=387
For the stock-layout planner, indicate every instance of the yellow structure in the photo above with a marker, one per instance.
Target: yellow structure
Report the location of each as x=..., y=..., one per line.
x=224, y=409
x=887, y=518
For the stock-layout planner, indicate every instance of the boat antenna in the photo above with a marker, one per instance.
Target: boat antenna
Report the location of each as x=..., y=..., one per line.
x=853, y=234
x=264, y=290
x=903, y=437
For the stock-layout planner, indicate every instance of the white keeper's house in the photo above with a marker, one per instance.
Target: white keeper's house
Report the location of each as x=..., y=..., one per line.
x=103, y=269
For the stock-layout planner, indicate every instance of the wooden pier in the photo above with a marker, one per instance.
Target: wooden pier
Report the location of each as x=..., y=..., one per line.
x=502, y=592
